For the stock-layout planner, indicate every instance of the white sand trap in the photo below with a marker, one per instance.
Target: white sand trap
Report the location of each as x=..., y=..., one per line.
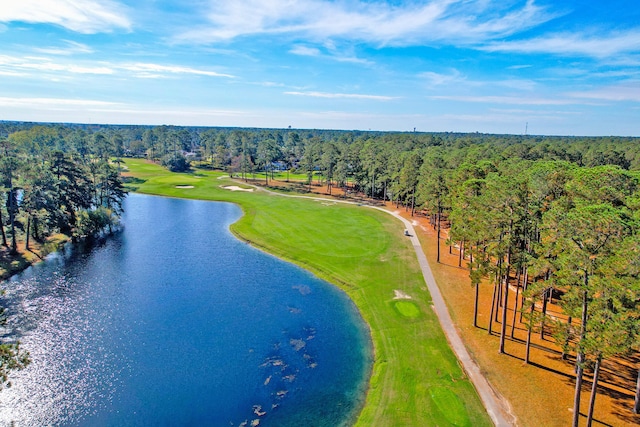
x=400, y=295
x=184, y=186
x=236, y=188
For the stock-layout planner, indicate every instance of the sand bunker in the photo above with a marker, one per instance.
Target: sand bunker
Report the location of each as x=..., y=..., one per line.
x=400, y=295
x=184, y=186
x=236, y=188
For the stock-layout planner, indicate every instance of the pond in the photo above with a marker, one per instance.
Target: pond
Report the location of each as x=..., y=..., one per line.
x=174, y=322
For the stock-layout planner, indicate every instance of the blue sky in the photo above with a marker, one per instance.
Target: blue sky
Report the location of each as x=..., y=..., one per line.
x=499, y=66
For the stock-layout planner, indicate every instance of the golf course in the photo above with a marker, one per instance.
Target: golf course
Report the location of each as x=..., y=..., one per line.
x=416, y=378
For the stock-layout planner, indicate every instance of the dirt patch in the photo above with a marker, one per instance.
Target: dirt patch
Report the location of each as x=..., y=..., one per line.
x=184, y=186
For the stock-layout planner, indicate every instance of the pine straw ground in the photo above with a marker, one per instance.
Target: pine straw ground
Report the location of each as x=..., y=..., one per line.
x=540, y=393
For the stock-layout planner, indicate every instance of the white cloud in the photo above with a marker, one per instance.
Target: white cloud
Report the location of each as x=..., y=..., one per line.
x=148, y=69
x=334, y=56
x=82, y=16
x=459, y=21
x=71, y=48
x=16, y=66
x=594, y=46
x=342, y=95
x=52, y=102
x=629, y=91
x=20, y=66
x=438, y=79
x=510, y=100
x=305, y=51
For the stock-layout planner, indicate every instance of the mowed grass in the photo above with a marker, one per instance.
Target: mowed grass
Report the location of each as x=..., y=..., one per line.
x=416, y=379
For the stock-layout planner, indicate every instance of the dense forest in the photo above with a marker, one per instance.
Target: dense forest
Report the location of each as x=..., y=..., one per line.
x=535, y=215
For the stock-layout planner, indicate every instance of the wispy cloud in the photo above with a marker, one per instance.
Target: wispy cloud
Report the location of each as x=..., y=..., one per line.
x=303, y=50
x=53, y=102
x=20, y=66
x=12, y=65
x=629, y=91
x=69, y=48
x=343, y=96
x=509, y=100
x=157, y=70
x=83, y=16
x=459, y=21
x=587, y=45
x=438, y=79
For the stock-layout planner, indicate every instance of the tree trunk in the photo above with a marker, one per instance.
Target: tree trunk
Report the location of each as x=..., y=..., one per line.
x=580, y=358
x=594, y=391
x=525, y=281
x=438, y=239
x=566, y=341
x=413, y=202
x=529, y=330
x=475, y=307
x=12, y=219
x=460, y=256
x=636, y=404
x=576, y=396
x=493, y=305
x=515, y=309
x=26, y=245
x=503, y=329
x=544, y=313
x=4, y=236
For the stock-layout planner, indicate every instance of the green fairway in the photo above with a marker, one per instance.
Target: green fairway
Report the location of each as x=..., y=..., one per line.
x=416, y=379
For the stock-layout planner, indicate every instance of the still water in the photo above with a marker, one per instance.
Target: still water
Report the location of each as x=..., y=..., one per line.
x=174, y=322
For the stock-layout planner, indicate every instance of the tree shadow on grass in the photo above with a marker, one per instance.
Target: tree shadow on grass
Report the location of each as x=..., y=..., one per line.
x=132, y=183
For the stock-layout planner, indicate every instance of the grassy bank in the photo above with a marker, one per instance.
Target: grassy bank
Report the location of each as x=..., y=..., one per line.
x=416, y=379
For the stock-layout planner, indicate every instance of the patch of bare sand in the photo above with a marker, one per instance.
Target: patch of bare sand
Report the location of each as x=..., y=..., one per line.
x=400, y=295
x=236, y=188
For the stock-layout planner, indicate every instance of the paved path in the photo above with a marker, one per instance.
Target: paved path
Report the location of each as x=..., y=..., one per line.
x=496, y=406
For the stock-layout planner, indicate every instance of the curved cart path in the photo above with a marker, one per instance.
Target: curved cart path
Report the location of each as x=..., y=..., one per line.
x=496, y=406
